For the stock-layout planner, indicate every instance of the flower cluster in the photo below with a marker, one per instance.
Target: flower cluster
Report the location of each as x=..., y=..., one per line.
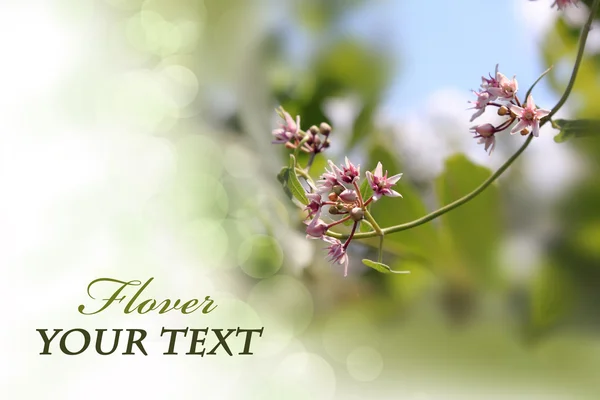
x=501, y=92
x=338, y=192
x=315, y=140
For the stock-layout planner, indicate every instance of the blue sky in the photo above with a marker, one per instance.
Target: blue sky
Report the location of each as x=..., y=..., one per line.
x=452, y=43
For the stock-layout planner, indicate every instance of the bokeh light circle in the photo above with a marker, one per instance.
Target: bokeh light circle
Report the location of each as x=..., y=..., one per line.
x=260, y=256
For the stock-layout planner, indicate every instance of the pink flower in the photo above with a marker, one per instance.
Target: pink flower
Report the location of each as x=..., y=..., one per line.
x=337, y=252
x=490, y=83
x=316, y=229
x=381, y=184
x=482, y=101
x=314, y=207
x=529, y=117
x=288, y=129
x=506, y=87
x=329, y=179
x=485, y=134
x=348, y=173
x=562, y=4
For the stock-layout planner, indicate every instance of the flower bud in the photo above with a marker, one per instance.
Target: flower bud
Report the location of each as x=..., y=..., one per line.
x=348, y=196
x=314, y=130
x=326, y=144
x=524, y=132
x=357, y=214
x=333, y=197
x=310, y=137
x=503, y=111
x=325, y=129
x=485, y=130
x=338, y=189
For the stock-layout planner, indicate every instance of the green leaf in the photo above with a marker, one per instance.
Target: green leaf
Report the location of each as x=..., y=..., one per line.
x=380, y=267
x=282, y=177
x=388, y=211
x=474, y=229
x=294, y=185
x=575, y=128
x=365, y=226
x=365, y=190
x=551, y=297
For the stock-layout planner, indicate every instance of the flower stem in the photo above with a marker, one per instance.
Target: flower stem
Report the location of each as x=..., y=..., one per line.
x=582, y=40
x=369, y=217
x=443, y=210
x=402, y=227
x=345, y=246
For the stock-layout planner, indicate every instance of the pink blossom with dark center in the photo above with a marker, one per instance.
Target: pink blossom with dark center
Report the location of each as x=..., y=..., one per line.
x=529, y=117
x=381, y=184
x=314, y=206
x=506, y=87
x=329, y=179
x=287, y=130
x=348, y=173
x=492, y=82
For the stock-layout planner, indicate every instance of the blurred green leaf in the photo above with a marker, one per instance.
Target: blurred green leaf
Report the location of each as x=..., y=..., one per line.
x=383, y=268
x=551, y=297
x=575, y=128
x=422, y=240
x=473, y=229
x=365, y=226
x=404, y=291
x=365, y=190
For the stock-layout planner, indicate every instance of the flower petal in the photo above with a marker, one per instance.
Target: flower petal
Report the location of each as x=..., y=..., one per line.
x=393, y=179
x=517, y=110
x=518, y=127
x=536, y=129
x=378, y=170
x=530, y=102
x=541, y=113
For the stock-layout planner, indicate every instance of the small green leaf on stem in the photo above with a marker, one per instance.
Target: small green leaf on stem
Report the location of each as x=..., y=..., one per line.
x=293, y=184
x=381, y=267
x=575, y=128
x=282, y=177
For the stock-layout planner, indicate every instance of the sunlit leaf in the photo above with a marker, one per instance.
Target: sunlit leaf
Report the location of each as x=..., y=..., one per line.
x=383, y=268
x=473, y=229
x=575, y=128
